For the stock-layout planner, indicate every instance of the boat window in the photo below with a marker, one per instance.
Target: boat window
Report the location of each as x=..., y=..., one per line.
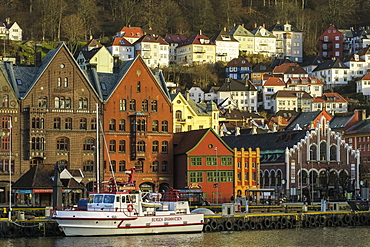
x=132, y=198
x=108, y=198
x=91, y=199
x=123, y=199
x=117, y=198
x=98, y=199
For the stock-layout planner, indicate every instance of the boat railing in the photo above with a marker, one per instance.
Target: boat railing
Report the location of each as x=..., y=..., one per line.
x=127, y=211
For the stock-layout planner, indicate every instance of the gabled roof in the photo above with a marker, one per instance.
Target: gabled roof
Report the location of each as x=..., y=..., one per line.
x=363, y=127
x=91, y=44
x=146, y=39
x=120, y=41
x=305, y=119
x=278, y=62
x=331, y=64
x=231, y=85
x=363, y=51
x=304, y=81
x=312, y=60
x=174, y=38
x=289, y=68
x=366, y=77
x=268, y=141
x=162, y=41
x=132, y=32
x=38, y=176
x=89, y=54
x=239, y=30
x=341, y=120
x=261, y=68
x=292, y=94
x=330, y=98
x=197, y=39
x=274, y=81
x=185, y=141
x=262, y=32
x=280, y=27
x=239, y=62
x=222, y=35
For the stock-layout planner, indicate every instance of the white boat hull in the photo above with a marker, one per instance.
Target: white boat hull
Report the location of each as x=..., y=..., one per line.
x=81, y=223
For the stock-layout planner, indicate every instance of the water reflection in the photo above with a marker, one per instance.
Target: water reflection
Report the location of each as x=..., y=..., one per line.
x=350, y=236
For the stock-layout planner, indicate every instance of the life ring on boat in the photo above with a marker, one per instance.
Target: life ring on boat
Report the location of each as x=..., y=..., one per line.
x=130, y=208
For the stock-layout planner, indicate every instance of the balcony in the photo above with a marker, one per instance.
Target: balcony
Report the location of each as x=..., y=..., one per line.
x=199, y=50
x=221, y=54
x=145, y=48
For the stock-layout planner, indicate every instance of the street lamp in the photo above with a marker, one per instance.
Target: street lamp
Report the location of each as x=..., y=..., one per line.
x=216, y=176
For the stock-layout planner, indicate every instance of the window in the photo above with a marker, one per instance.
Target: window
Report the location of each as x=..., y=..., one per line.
x=211, y=161
x=88, y=144
x=122, y=125
x=66, y=82
x=5, y=101
x=155, y=125
x=4, y=166
x=112, y=125
x=37, y=123
x=178, y=115
x=164, y=166
x=5, y=143
x=122, y=166
x=63, y=164
x=313, y=152
x=42, y=101
x=165, y=147
x=195, y=161
x=132, y=105
x=164, y=126
x=56, y=123
x=227, y=161
x=82, y=103
x=122, y=105
x=139, y=166
x=88, y=166
x=141, y=125
x=333, y=153
x=59, y=83
x=154, y=106
x=323, y=151
x=113, y=165
x=93, y=124
x=122, y=146
x=196, y=177
x=62, y=144
x=112, y=146
x=155, y=146
x=56, y=102
x=144, y=105
x=68, y=123
x=336, y=37
x=141, y=147
x=83, y=123
x=154, y=166
x=138, y=87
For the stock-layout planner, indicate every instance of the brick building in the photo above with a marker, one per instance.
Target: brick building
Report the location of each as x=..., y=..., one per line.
x=331, y=44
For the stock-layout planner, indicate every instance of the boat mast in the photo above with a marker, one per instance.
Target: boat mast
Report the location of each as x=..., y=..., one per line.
x=97, y=148
x=10, y=168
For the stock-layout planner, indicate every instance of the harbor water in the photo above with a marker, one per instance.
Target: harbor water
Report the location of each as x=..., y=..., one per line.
x=322, y=236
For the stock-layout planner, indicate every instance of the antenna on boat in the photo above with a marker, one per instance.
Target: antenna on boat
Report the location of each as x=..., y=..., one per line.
x=97, y=150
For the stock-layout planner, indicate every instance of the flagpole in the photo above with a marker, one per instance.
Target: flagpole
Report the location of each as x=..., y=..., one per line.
x=10, y=169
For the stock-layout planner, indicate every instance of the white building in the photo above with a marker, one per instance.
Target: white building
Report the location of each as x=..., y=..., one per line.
x=332, y=73
x=227, y=47
x=264, y=42
x=332, y=102
x=363, y=86
x=270, y=87
x=122, y=48
x=196, y=93
x=10, y=30
x=154, y=51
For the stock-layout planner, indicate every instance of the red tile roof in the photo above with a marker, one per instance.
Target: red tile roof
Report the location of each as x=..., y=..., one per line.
x=274, y=81
x=330, y=97
x=282, y=68
x=132, y=32
x=366, y=77
x=120, y=42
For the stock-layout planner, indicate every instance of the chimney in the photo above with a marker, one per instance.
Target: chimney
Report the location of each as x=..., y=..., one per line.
x=254, y=130
x=237, y=131
x=264, y=25
x=187, y=95
x=38, y=49
x=200, y=32
x=225, y=29
x=255, y=25
x=115, y=64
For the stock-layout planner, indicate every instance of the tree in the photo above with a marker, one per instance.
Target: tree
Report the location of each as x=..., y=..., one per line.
x=73, y=30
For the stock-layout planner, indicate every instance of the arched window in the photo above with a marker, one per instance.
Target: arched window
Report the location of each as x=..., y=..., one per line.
x=279, y=177
x=122, y=166
x=83, y=123
x=154, y=167
x=62, y=144
x=63, y=164
x=273, y=178
x=266, y=179
x=333, y=153
x=66, y=82
x=313, y=152
x=122, y=125
x=313, y=177
x=59, y=83
x=122, y=105
x=155, y=147
x=144, y=105
x=88, y=144
x=155, y=125
x=178, y=115
x=141, y=147
x=112, y=146
x=68, y=123
x=154, y=106
x=85, y=103
x=56, y=102
x=5, y=101
x=165, y=147
x=165, y=126
x=323, y=151
x=68, y=103
x=122, y=146
x=164, y=166
x=132, y=105
x=88, y=166
x=112, y=124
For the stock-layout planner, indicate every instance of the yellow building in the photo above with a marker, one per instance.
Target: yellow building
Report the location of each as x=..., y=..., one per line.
x=196, y=49
x=189, y=115
x=246, y=171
